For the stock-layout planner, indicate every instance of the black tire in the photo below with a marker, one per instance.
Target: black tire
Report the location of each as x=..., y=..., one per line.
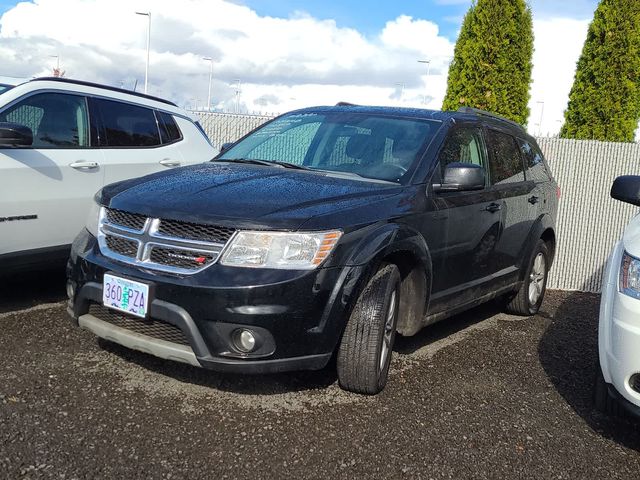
x=361, y=364
x=521, y=304
x=602, y=401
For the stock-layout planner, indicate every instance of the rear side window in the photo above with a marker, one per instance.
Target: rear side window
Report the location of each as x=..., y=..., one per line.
x=169, y=131
x=533, y=162
x=506, y=163
x=56, y=120
x=125, y=125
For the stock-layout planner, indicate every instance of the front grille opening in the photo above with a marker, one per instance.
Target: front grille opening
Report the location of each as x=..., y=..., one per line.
x=150, y=327
x=122, y=246
x=195, y=231
x=125, y=219
x=181, y=258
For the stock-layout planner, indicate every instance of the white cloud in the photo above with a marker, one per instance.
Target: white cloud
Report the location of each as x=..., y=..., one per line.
x=282, y=63
x=558, y=44
x=292, y=62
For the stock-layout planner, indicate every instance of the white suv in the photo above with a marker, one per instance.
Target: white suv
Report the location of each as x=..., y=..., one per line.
x=61, y=141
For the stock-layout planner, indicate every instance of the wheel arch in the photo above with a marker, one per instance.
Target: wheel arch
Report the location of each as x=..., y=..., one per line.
x=407, y=249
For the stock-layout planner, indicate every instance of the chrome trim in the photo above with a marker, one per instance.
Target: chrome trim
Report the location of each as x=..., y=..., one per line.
x=149, y=238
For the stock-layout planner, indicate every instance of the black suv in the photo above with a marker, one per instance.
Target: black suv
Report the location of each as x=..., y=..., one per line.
x=323, y=232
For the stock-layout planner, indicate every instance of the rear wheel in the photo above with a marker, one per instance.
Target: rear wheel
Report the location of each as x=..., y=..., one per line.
x=365, y=351
x=528, y=299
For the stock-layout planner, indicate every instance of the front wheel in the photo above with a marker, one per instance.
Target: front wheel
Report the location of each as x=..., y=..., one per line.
x=365, y=351
x=529, y=298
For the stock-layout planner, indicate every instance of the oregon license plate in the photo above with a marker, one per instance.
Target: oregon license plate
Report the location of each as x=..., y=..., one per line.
x=125, y=295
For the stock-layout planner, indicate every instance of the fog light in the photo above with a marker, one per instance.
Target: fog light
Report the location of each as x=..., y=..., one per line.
x=71, y=290
x=244, y=340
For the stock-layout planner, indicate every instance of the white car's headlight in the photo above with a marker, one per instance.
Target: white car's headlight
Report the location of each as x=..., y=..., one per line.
x=630, y=276
x=294, y=251
x=93, y=219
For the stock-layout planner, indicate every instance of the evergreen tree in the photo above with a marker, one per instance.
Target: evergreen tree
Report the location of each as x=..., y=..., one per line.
x=491, y=67
x=604, y=103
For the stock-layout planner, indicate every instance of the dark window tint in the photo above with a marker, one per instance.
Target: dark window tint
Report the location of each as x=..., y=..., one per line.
x=125, y=125
x=56, y=120
x=169, y=131
x=506, y=163
x=533, y=161
x=463, y=145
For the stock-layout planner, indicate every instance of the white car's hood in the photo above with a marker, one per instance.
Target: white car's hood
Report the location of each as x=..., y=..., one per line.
x=631, y=237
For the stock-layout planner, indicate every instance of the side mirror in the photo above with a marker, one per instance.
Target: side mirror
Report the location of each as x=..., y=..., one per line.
x=459, y=177
x=15, y=135
x=226, y=146
x=627, y=189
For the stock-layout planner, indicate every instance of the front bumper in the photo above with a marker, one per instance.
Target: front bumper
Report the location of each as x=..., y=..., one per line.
x=298, y=316
x=619, y=337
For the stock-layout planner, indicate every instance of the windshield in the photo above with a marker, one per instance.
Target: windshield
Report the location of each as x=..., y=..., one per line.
x=365, y=145
x=4, y=87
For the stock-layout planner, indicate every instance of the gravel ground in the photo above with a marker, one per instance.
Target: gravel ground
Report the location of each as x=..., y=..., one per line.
x=482, y=395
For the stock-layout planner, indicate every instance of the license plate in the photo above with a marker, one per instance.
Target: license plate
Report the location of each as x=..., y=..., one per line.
x=125, y=295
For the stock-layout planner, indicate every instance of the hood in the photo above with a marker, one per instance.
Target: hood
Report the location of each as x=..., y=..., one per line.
x=242, y=196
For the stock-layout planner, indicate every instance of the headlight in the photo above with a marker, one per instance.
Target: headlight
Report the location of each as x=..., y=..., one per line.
x=295, y=251
x=630, y=276
x=93, y=218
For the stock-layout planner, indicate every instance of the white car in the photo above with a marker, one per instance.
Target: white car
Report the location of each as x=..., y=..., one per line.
x=617, y=386
x=61, y=141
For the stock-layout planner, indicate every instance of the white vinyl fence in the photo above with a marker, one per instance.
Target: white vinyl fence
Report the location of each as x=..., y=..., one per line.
x=589, y=221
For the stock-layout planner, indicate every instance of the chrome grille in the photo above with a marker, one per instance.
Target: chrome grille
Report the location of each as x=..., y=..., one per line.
x=125, y=219
x=195, y=231
x=122, y=246
x=166, y=245
x=149, y=327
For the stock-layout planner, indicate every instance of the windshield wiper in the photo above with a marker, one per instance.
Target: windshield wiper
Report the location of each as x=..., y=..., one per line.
x=250, y=161
x=291, y=165
x=265, y=162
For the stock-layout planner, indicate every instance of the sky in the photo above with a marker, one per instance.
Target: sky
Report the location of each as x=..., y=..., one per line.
x=272, y=56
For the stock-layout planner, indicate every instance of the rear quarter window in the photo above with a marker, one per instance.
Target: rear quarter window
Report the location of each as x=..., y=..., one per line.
x=535, y=168
x=169, y=131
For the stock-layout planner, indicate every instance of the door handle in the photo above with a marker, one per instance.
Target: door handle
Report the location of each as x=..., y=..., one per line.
x=84, y=165
x=493, y=207
x=167, y=162
x=533, y=200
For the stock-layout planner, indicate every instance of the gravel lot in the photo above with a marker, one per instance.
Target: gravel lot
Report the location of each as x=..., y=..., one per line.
x=483, y=395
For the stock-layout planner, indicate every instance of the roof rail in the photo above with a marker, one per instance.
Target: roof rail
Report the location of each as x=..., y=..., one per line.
x=345, y=104
x=104, y=87
x=484, y=113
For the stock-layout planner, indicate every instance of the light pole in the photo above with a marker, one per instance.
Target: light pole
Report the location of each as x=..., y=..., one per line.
x=238, y=91
x=57, y=57
x=146, y=68
x=428, y=62
x=541, y=115
x=209, y=59
x=401, y=86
